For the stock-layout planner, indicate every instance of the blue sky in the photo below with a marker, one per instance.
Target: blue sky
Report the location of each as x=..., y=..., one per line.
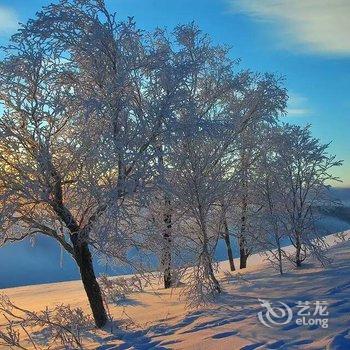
x=305, y=41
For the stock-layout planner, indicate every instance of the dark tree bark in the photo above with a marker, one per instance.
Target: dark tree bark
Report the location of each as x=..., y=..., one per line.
x=167, y=220
x=300, y=251
x=242, y=243
x=298, y=259
x=228, y=246
x=209, y=266
x=280, y=266
x=206, y=257
x=243, y=257
x=166, y=255
x=213, y=278
x=81, y=252
x=243, y=250
x=83, y=258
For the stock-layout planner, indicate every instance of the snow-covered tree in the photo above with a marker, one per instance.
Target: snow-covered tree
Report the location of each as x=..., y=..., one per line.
x=204, y=159
x=75, y=132
x=250, y=148
x=44, y=176
x=305, y=169
x=269, y=231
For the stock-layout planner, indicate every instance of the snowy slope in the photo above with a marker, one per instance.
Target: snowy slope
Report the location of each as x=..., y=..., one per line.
x=157, y=319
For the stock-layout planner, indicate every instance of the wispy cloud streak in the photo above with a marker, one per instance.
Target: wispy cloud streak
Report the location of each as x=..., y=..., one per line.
x=319, y=26
x=8, y=20
x=297, y=106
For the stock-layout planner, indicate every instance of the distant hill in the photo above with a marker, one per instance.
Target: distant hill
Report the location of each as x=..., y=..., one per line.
x=343, y=194
x=339, y=212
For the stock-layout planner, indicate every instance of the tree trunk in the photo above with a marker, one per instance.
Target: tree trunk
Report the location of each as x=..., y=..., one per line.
x=228, y=246
x=166, y=260
x=242, y=238
x=166, y=254
x=243, y=257
x=243, y=252
x=81, y=252
x=210, y=272
x=213, y=278
x=298, y=259
x=208, y=263
x=279, y=256
x=84, y=260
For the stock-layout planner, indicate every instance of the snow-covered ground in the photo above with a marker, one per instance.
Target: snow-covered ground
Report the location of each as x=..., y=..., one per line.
x=158, y=319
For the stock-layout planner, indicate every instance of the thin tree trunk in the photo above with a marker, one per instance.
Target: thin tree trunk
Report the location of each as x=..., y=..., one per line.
x=243, y=249
x=243, y=257
x=213, y=278
x=279, y=256
x=208, y=263
x=81, y=252
x=166, y=254
x=209, y=268
x=167, y=219
x=84, y=260
x=243, y=252
x=228, y=246
x=298, y=259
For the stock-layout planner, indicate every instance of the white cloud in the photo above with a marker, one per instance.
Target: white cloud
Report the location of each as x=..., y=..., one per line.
x=320, y=26
x=297, y=106
x=8, y=20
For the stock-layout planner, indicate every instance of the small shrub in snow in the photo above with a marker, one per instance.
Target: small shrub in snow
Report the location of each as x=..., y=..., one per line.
x=44, y=329
x=115, y=290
